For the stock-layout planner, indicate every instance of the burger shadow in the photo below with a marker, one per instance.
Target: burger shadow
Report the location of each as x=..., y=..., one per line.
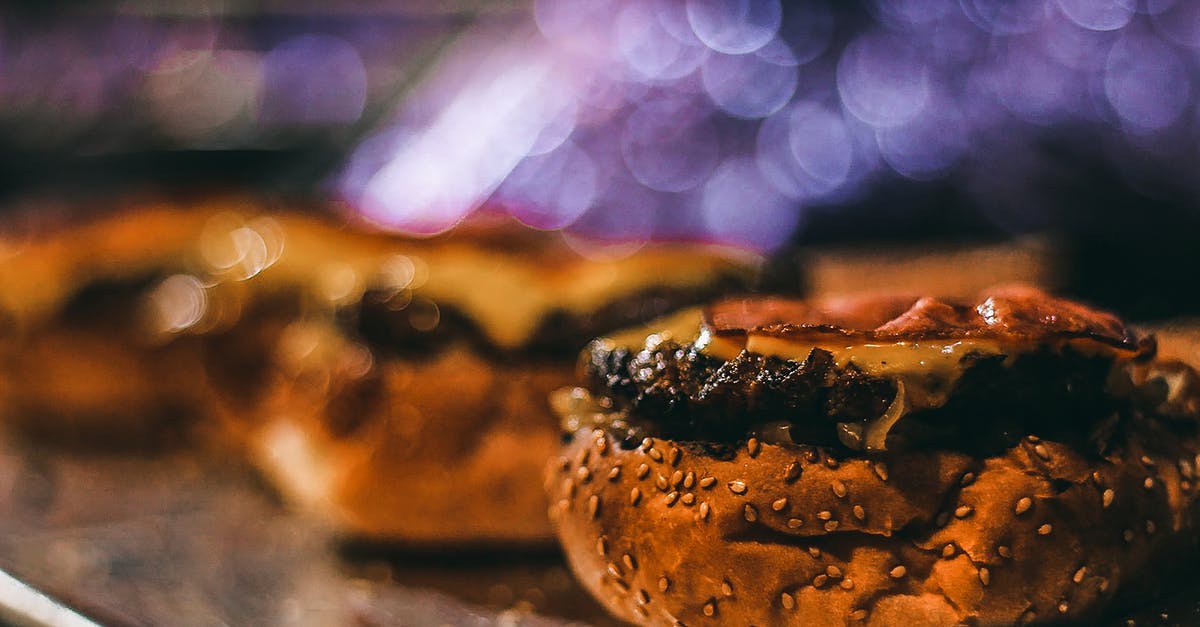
x=529, y=578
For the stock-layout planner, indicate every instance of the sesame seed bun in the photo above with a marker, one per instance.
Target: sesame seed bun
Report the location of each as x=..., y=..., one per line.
x=667, y=534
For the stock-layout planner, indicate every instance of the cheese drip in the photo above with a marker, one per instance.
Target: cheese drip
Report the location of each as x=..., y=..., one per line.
x=924, y=372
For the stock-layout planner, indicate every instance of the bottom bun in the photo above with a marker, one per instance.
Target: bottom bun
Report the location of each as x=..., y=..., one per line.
x=668, y=533
x=440, y=451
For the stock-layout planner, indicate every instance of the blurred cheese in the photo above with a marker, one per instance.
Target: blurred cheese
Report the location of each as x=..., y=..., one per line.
x=506, y=291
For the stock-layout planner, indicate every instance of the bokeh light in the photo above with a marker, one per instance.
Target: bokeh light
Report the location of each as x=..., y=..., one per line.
x=313, y=79
x=564, y=111
x=734, y=26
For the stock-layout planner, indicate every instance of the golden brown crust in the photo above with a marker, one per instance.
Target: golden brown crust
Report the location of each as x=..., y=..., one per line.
x=1017, y=314
x=789, y=535
x=436, y=452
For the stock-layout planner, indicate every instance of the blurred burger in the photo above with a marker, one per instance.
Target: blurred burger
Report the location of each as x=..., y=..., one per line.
x=396, y=386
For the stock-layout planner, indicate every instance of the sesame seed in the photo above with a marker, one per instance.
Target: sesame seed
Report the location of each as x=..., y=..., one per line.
x=676, y=455
x=750, y=513
x=967, y=479
x=985, y=576
x=1079, y=574
x=1147, y=461
x=642, y=471
x=779, y=504
x=814, y=551
x=881, y=471
x=859, y=512
x=898, y=572
x=824, y=515
x=847, y=584
x=1150, y=527
x=794, y=523
x=859, y=615
x=1004, y=551
x=1033, y=438
x=615, y=473
x=948, y=551
x=833, y=571
x=601, y=444
x=820, y=580
x=661, y=483
x=788, y=601
x=643, y=597
x=704, y=511
x=689, y=480
x=1103, y=587
x=594, y=506
x=708, y=482
x=1045, y=529
x=629, y=562
x=583, y=474
x=1041, y=451
x=1096, y=479
x=1106, y=499
x=737, y=487
x=963, y=511
x=677, y=478
x=792, y=472
x=635, y=496
x=831, y=462
x=615, y=570
x=831, y=525
x=839, y=488
x=1149, y=483
x=1023, y=505
x=655, y=454
x=710, y=608
x=1063, y=606
x=810, y=455
x=671, y=498
x=688, y=498
x=664, y=584
x=602, y=545
x=647, y=444
x=1127, y=535
x=753, y=446
x=726, y=588
x=641, y=612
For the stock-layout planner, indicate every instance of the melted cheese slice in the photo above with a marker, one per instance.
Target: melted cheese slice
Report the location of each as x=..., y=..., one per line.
x=924, y=372
x=506, y=292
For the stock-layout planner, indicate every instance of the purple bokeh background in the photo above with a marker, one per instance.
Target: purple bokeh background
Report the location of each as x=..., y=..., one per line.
x=741, y=121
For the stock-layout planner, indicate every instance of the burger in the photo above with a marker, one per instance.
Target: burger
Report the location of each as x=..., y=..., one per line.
x=394, y=386
x=886, y=460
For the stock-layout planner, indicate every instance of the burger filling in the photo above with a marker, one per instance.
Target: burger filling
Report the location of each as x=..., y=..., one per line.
x=687, y=383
